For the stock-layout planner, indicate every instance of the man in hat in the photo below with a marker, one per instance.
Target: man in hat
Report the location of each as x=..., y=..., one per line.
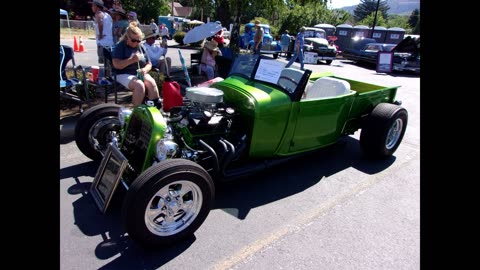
x=120, y=23
x=132, y=17
x=157, y=53
x=285, y=42
x=154, y=26
x=208, y=63
x=257, y=38
x=298, y=50
x=103, y=28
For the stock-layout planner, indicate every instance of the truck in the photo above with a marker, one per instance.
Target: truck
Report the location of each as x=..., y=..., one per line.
x=168, y=162
x=269, y=45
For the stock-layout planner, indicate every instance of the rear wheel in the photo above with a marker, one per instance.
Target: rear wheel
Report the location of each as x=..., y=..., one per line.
x=168, y=202
x=384, y=130
x=275, y=55
x=96, y=128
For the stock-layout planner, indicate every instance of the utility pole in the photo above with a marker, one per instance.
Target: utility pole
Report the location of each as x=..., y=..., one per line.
x=375, y=19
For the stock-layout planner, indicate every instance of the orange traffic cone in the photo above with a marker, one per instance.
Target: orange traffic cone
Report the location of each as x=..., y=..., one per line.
x=75, y=44
x=81, y=47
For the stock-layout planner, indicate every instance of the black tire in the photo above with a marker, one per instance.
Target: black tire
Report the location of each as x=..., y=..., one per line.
x=275, y=55
x=328, y=62
x=151, y=226
x=95, y=124
x=383, y=130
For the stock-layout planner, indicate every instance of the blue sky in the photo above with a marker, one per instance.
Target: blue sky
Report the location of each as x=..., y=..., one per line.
x=343, y=3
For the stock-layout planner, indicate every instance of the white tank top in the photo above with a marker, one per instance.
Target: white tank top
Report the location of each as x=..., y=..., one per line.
x=107, y=39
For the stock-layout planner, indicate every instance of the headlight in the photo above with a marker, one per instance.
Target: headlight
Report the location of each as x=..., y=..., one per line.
x=123, y=115
x=166, y=149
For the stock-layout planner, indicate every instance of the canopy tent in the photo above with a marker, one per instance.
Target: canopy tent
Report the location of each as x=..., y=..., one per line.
x=65, y=13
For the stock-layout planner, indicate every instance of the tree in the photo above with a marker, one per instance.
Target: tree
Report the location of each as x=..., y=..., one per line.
x=366, y=7
x=369, y=20
x=414, y=18
x=145, y=9
x=395, y=20
x=416, y=29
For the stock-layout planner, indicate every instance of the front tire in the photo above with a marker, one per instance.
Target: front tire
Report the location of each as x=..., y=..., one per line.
x=95, y=127
x=328, y=62
x=168, y=202
x=383, y=131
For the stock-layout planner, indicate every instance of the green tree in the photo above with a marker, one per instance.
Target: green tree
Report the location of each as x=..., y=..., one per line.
x=414, y=18
x=395, y=20
x=416, y=29
x=370, y=18
x=366, y=7
x=146, y=9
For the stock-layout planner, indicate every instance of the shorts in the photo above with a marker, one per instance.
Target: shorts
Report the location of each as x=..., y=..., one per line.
x=124, y=79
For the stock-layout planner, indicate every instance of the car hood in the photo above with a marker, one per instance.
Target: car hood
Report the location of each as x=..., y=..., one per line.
x=317, y=40
x=407, y=45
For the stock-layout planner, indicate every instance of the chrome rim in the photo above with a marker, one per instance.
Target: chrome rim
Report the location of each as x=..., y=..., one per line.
x=394, y=133
x=173, y=208
x=100, y=132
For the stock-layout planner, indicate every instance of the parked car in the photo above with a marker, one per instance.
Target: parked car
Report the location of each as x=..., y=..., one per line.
x=260, y=116
x=269, y=45
x=320, y=46
x=366, y=50
x=406, y=54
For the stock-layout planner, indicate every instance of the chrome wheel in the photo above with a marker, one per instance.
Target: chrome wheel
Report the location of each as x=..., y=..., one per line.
x=173, y=208
x=394, y=133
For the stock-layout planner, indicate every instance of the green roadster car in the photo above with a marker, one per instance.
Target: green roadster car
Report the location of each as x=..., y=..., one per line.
x=261, y=115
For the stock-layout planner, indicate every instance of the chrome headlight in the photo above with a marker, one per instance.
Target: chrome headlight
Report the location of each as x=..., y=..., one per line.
x=124, y=115
x=166, y=149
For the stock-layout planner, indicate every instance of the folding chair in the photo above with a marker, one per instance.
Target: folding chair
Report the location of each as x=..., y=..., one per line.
x=70, y=87
x=111, y=75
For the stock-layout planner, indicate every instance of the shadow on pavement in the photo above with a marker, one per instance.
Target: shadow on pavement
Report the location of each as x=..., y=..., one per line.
x=263, y=188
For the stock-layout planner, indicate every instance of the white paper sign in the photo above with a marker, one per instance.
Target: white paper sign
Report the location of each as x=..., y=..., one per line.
x=269, y=70
x=310, y=58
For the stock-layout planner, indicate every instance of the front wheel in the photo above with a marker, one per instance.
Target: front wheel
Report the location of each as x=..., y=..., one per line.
x=96, y=128
x=383, y=131
x=168, y=202
x=328, y=62
x=275, y=55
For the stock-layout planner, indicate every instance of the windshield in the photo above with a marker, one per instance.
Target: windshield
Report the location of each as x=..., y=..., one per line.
x=244, y=65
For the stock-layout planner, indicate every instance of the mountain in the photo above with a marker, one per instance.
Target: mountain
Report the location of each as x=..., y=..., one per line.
x=398, y=7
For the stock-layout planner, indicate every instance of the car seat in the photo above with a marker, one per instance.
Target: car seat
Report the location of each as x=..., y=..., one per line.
x=328, y=87
x=290, y=78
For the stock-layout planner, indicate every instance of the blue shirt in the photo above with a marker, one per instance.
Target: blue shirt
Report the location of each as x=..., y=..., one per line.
x=285, y=39
x=300, y=40
x=123, y=51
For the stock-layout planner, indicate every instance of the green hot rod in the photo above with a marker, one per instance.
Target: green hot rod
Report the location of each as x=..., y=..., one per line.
x=260, y=115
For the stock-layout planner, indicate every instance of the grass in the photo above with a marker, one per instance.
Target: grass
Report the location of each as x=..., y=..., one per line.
x=66, y=33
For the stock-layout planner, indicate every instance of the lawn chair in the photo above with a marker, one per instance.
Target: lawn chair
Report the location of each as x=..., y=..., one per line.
x=70, y=88
x=111, y=75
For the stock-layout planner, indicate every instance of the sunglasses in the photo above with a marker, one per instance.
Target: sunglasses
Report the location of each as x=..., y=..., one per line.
x=134, y=40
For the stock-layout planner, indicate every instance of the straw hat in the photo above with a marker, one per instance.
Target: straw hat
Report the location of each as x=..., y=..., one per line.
x=97, y=2
x=149, y=33
x=211, y=45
